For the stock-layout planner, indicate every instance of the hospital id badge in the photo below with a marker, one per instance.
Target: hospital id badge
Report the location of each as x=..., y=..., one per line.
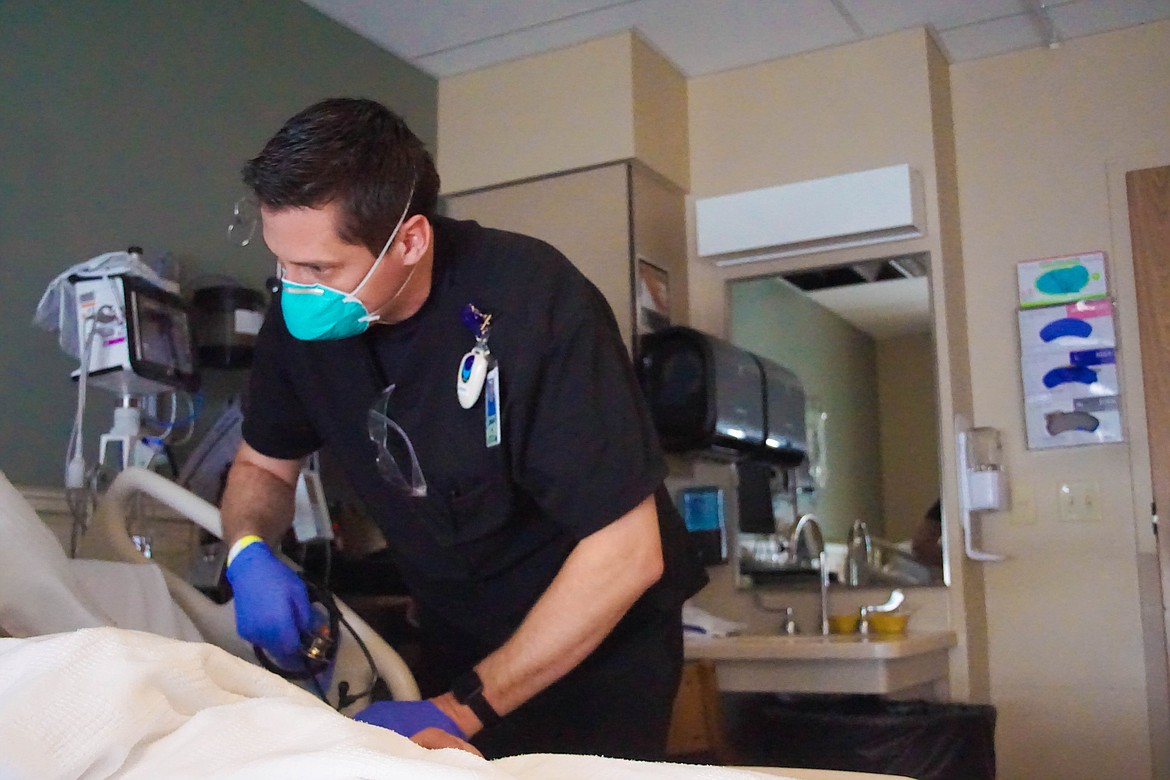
x=493, y=433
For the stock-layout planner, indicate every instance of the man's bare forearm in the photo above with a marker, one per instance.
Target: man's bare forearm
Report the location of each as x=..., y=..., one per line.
x=603, y=576
x=256, y=501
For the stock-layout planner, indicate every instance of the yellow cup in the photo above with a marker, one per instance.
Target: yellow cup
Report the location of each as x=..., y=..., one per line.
x=844, y=624
x=888, y=622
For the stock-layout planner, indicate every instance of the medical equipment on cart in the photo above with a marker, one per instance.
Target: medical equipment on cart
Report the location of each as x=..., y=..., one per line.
x=130, y=332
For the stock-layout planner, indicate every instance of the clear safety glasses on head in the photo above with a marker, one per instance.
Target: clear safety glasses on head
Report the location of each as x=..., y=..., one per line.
x=386, y=435
x=245, y=217
x=317, y=312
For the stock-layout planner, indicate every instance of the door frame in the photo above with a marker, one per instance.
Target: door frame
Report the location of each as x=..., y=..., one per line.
x=1153, y=578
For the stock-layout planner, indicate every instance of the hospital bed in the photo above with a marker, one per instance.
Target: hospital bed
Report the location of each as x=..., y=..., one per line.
x=111, y=666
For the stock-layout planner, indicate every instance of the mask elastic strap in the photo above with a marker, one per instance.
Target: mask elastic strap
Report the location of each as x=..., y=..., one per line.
x=352, y=296
x=394, y=297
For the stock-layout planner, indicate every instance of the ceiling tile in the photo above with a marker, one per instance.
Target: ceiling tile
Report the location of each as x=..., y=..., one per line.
x=409, y=28
x=699, y=38
x=1089, y=17
x=447, y=37
x=739, y=32
x=986, y=39
x=878, y=17
x=522, y=43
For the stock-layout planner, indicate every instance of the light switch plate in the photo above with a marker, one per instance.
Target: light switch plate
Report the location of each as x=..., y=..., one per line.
x=1080, y=502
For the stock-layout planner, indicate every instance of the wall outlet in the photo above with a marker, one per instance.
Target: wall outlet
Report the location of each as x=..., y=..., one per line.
x=1080, y=502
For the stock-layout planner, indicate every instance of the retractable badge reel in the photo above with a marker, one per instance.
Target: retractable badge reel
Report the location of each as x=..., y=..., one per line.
x=479, y=373
x=473, y=367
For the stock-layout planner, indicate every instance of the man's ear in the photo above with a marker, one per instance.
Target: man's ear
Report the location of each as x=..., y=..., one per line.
x=416, y=236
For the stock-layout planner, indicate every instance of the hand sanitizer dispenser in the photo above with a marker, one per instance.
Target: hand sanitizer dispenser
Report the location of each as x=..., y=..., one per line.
x=982, y=482
x=986, y=486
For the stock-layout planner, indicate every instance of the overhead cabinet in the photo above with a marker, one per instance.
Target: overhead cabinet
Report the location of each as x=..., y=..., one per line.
x=621, y=224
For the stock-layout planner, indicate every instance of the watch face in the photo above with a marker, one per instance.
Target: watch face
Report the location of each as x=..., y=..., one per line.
x=466, y=686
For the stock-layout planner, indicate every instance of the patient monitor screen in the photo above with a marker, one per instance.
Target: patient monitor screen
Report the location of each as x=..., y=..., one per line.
x=160, y=335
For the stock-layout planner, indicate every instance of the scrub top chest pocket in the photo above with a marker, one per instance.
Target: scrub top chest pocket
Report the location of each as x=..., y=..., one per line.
x=481, y=522
x=472, y=506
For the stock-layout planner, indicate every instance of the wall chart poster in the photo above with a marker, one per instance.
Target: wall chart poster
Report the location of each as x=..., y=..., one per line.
x=1065, y=279
x=1068, y=355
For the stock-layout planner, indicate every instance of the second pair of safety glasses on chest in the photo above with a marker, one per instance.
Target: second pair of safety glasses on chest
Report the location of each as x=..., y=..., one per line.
x=478, y=373
x=389, y=438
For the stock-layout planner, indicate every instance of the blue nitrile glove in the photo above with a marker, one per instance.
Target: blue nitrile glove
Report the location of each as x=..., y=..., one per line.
x=408, y=717
x=272, y=604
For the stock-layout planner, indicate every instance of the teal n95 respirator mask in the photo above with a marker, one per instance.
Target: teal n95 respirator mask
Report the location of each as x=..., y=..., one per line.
x=317, y=312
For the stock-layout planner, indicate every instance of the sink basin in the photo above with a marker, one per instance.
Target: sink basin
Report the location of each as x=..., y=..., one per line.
x=812, y=646
x=915, y=662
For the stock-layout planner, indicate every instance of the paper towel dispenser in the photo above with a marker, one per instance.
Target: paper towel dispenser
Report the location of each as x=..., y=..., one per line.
x=707, y=394
x=785, y=432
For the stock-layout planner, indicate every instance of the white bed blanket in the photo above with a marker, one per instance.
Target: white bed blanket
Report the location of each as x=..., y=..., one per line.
x=108, y=702
x=43, y=592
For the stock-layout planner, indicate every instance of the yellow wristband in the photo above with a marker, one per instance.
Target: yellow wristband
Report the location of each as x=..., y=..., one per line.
x=240, y=544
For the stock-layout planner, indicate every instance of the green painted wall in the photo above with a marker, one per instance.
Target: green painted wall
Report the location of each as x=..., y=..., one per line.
x=837, y=364
x=126, y=122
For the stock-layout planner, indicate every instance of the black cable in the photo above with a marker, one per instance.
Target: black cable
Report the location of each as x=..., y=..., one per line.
x=328, y=564
x=316, y=666
x=170, y=454
x=343, y=699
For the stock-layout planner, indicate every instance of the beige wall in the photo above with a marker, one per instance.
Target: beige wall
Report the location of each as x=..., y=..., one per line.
x=1038, y=134
x=537, y=115
x=602, y=101
x=1032, y=152
x=660, y=110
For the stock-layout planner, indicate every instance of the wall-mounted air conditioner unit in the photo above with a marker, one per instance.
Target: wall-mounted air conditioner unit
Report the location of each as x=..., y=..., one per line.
x=853, y=209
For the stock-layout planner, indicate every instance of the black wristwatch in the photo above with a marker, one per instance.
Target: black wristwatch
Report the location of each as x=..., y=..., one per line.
x=468, y=690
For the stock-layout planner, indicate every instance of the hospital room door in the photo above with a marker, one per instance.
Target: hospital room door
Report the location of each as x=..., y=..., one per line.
x=1148, y=193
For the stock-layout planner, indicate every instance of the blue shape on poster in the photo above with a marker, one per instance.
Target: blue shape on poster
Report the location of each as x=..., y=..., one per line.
x=1067, y=326
x=1064, y=374
x=1062, y=281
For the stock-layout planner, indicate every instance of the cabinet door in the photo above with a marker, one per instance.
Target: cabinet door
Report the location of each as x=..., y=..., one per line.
x=584, y=214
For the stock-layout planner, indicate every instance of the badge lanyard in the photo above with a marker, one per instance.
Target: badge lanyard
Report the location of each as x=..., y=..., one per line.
x=479, y=369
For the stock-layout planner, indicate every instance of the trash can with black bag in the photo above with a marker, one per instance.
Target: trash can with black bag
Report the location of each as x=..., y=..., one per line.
x=926, y=740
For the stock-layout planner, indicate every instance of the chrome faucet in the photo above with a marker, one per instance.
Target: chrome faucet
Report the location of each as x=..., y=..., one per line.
x=859, y=555
x=809, y=526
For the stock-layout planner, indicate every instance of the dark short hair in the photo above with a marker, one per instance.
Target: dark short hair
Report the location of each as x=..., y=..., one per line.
x=353, y=152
